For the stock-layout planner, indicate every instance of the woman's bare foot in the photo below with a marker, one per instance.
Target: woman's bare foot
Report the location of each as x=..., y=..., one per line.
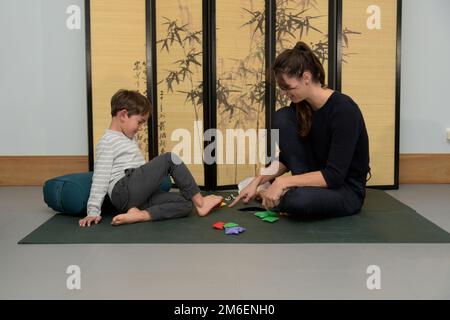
x=133, y=215
x=261, y=190
x=204, y=205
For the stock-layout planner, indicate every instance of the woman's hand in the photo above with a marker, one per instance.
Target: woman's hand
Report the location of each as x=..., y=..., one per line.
x=88, y=220
x=248, y=193
x=272, y=195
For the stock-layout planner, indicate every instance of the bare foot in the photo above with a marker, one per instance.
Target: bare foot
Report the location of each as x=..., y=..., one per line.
x=259, y=194
x=133, y=215
x=208, y=203
x=263, y=187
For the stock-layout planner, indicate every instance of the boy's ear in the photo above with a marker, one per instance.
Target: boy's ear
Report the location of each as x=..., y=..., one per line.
x=122, y=114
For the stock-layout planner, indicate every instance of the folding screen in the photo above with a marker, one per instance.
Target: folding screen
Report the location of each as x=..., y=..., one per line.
x=179, y=77
x=207, y=65
x=300, y=20
x=240, y=86
x=116, y=58
x=369, y=76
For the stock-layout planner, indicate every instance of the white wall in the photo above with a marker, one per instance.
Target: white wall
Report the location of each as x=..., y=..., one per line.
x=42, y=79
x=425, y=83
x=43, y=82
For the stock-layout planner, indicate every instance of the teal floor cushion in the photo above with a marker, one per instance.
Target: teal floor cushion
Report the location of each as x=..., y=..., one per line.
x=70, y=193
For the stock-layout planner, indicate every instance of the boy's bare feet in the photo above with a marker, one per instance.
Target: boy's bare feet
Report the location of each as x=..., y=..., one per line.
x=133, y=215
x=205, y=205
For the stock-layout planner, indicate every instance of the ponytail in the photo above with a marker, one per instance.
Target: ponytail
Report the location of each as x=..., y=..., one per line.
x=312, y=64
x=294, y=62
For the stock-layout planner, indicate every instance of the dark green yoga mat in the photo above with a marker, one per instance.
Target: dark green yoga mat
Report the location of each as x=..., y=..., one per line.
x=382, y=220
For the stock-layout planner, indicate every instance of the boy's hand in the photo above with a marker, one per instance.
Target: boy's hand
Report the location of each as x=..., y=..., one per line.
x=88, y=220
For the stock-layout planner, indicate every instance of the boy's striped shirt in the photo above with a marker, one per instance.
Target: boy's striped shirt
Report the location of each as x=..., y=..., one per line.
x=115, y=152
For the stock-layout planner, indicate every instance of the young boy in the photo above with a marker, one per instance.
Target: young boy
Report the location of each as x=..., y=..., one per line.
x=133, y=185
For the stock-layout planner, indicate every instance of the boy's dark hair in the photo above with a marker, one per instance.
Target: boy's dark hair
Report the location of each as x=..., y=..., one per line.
x=132, y=101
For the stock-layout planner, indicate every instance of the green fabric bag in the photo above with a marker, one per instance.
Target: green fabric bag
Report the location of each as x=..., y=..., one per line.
x=70, y=193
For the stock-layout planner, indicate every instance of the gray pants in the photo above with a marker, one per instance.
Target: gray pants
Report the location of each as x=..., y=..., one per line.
x=140, y=188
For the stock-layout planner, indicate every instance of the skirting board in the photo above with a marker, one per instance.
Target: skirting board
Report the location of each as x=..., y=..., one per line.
x=417, y=168
x=35, y=170
x=424, y=168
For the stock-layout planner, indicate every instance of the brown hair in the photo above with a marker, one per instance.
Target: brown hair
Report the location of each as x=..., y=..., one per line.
x=294, y=62
x=132, y=101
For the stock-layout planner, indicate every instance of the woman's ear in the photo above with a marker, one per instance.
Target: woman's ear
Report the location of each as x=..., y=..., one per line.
x=307, y=77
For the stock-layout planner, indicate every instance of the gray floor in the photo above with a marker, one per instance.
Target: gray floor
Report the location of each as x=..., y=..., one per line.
x=244, y=271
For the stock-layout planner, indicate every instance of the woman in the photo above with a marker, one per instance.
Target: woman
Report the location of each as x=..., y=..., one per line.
x=323, y=142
